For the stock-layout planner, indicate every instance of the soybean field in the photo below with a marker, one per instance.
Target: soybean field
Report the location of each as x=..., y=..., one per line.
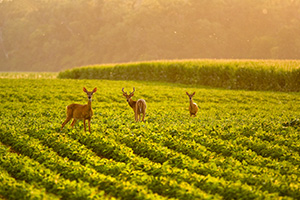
x=241, y=145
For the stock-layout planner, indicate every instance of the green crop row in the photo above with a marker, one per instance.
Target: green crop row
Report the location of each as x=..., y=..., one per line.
x=214, y=185
x=23, y=168
x=142, y=145
x=74, y=171
x=235, y=74
x=246, y=148
x=78, y=152
x=187, y=144
x=10, y=188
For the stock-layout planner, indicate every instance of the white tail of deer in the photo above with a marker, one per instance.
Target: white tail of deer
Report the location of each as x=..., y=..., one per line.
x=80, y=112
x=193, y=108
x=139, y=106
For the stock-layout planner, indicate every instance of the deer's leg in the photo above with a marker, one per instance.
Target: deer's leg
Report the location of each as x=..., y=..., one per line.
x=138, y=117
x=73, y=122
x=65, y=122
x=84, y=125
x=135, y=115
x=89, y=121
x=143, y=116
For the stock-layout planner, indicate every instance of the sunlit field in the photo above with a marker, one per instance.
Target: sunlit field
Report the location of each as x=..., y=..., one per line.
x=241, y=145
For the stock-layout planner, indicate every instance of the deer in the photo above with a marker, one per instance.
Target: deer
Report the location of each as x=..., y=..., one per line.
x=80, y=112
x=193, y=108
x=139, y=106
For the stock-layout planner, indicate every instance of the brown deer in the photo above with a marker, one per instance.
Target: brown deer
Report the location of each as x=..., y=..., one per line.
x=193, y=106
x=80, y=112
x=138, y=106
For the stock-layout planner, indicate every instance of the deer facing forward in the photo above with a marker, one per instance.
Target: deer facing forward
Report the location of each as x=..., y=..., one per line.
x=193, y=108
x=80, y=112
x=139, y=106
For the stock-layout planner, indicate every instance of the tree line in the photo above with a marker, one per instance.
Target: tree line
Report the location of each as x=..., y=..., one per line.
x=52, y=35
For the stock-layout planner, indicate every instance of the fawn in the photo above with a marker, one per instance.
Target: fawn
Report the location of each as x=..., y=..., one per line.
x=193, y=106
x=80, y=112
x=138, y=106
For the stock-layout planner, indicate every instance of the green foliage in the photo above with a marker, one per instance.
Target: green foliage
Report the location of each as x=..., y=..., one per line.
x=241, y=145
x=44, y=35
x=229, y=74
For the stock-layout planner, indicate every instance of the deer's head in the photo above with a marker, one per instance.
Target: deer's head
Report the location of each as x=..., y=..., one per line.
x=190, y=95
x=128, y=96
x=89, y=94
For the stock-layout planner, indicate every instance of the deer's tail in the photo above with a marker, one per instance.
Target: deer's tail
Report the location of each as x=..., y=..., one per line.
x=141, y=105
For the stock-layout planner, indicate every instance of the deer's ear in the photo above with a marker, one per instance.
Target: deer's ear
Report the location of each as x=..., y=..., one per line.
x=84, y=89
x=124, y=94
x=194, y=93
x=187, y=93
x=95, y=90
